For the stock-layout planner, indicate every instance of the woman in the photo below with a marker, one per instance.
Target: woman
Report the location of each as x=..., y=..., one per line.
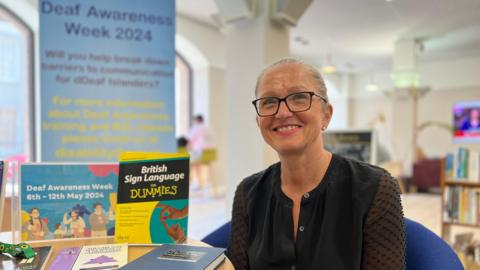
x=313, y=209
x=35, y=227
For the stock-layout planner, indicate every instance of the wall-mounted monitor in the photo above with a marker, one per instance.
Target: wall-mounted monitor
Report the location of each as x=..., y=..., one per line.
x=466, y=122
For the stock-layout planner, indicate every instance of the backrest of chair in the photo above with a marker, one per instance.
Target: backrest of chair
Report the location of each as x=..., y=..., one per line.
x=219, y=237
x=426, y=251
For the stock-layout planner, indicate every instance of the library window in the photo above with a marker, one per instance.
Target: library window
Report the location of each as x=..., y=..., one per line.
x=16, y=88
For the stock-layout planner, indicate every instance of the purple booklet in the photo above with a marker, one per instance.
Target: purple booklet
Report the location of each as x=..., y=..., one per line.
x=110, y=256
x=65, y=258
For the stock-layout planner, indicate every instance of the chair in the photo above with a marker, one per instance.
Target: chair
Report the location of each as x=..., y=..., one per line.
x=219, y=237
x=425, y=250
x=427, y=173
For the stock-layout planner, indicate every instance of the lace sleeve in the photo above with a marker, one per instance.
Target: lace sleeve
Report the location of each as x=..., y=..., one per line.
x=237, y=249
x=384, y=231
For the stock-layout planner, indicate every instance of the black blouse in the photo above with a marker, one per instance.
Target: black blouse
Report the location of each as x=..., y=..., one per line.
x=332, y=224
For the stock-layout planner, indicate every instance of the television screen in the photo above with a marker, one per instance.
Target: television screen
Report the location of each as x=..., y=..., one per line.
x=466, y=126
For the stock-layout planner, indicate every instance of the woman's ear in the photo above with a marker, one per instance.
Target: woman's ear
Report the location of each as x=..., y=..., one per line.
x=327, y=116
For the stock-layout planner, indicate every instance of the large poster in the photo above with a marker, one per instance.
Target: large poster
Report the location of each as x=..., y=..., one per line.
x=107, y=78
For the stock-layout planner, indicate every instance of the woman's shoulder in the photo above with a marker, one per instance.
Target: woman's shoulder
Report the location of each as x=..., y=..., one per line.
x=367, y=180
x=360, y=170
x=362, y=178
x=260, y=179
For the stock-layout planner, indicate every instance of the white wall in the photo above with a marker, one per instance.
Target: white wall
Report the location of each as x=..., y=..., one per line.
x=449, y=82
x=204, y=48
x=206, y=38
x=338, y=91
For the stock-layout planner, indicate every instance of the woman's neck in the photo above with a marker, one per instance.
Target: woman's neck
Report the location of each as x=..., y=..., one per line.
x=302, y=173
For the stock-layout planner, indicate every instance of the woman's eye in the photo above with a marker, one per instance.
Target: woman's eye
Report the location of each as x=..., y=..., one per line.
x=299, y=97
x=268, y=102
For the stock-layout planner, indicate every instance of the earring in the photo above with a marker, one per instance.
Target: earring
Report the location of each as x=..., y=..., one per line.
x=323, y=128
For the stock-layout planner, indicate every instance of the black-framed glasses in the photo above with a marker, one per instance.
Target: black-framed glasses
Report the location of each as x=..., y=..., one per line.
x=296, y=102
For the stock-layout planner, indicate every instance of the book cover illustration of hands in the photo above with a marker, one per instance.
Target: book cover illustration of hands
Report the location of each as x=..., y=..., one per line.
x=62, y=200
x=152, y=202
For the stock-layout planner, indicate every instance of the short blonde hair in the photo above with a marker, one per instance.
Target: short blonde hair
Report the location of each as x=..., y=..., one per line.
x=313, y=71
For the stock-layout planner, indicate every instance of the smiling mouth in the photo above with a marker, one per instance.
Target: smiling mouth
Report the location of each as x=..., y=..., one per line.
x=286, y=128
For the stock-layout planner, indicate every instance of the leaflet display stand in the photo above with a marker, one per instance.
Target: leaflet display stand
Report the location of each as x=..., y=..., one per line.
x=15, y=201
x=54, y=201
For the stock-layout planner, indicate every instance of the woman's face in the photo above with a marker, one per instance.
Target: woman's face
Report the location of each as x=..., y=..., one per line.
x=35, y=213
x=474, y=115
x=98, y=209
x=287, y=132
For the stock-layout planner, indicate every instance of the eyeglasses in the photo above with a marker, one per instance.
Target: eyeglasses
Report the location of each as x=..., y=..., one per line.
x=296, y=102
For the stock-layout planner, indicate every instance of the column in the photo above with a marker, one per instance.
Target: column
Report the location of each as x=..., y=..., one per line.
x=251, y=45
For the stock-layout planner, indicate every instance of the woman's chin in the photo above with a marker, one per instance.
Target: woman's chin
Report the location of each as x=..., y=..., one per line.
x=289, y=150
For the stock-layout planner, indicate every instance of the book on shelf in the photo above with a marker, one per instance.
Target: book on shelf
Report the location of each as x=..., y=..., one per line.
x=474, y=165
x=179, y=257
x=152, y=204
x=464, y=165
x=461, y=205
x=67, y=200
x=3, y=184
x=94, y=257
x=39, y=262
x=449, y=166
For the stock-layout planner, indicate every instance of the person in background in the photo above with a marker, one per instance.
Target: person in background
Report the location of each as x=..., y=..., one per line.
x=472, y=123
x=35, y=227
x=199, y=138
x=182, y=143
x=313, y=209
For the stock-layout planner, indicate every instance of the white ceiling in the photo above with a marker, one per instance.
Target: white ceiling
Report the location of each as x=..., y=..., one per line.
x=360, y=34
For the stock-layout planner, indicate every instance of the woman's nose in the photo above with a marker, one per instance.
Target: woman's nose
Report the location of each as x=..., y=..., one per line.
x=283, y=110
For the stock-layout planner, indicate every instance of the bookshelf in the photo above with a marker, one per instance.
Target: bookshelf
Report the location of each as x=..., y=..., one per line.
x=460, y=185
x=460, y=206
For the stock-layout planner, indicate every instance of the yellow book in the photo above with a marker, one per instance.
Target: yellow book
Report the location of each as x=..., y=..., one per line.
x=152, y=201
x=139, y=156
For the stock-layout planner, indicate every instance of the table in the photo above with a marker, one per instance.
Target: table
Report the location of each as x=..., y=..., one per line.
x=134, y=251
